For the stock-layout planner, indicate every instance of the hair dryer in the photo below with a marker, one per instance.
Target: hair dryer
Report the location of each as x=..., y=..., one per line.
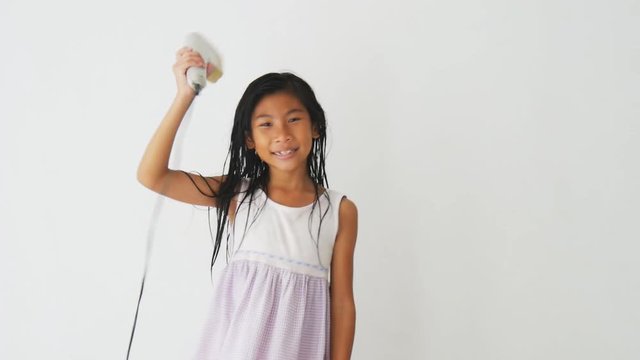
x=197, y=76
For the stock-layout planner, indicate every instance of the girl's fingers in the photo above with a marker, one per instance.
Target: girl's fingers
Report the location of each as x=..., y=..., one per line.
x=192, y=62
x=188, y=55
x=182, y=51
x=182, y=66
x=185, y=51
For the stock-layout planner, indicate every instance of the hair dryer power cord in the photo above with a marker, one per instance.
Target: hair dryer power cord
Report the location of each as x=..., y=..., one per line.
x=177, y=155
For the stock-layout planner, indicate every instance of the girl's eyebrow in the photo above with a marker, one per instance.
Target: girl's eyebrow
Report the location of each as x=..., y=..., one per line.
x=288, y=112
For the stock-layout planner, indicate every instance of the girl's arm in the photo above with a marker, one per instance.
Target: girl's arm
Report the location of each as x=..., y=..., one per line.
x=153, y=170
x=343, y=308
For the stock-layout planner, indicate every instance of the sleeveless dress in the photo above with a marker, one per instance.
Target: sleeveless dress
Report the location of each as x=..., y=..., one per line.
x=272, y=300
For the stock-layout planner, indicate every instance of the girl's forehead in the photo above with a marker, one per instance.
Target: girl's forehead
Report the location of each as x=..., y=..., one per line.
x=277, y=104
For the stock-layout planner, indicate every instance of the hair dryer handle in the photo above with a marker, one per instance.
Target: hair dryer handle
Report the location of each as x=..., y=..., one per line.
x=196, y=78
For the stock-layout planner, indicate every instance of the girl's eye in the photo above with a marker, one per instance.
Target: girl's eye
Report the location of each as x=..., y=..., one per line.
x=265, y=124
x=294, y=119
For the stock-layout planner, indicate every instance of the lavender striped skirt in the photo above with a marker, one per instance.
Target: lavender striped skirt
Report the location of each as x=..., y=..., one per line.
x=263, y=312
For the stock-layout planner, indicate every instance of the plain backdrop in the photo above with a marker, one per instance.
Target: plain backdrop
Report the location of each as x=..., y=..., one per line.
x=491, y=147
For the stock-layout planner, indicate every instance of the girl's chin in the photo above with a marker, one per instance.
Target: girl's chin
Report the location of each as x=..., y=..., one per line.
x=286, y=165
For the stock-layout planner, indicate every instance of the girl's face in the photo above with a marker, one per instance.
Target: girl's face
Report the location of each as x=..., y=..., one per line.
x=282, y=131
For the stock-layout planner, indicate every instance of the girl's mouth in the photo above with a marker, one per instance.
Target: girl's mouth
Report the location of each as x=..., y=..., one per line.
x=285, y=154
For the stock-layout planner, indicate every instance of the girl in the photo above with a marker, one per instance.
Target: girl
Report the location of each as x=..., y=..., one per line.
x=287, y=290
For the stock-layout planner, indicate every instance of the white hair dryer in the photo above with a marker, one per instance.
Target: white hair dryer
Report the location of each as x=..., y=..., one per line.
x=197, y=76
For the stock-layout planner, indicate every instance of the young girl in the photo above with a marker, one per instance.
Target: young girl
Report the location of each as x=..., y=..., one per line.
x=286, y=292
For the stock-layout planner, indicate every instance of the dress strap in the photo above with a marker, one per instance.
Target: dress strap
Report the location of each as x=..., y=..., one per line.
x=336, y=199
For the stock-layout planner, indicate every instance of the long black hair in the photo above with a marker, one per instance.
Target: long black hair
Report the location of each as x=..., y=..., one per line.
x=245, y=164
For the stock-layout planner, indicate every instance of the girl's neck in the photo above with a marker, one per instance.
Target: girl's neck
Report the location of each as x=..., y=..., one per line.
x=291, y=182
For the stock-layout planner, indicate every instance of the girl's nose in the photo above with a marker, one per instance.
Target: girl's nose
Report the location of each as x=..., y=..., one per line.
x=283, y=138
x=283, y=135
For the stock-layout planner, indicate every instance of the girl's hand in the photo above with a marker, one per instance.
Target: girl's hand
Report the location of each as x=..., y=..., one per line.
x=186, y=58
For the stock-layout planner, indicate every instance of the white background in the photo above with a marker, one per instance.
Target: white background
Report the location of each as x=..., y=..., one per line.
x=492, y=149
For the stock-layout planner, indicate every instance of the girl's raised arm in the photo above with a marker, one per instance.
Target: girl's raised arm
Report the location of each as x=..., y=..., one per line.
x=153, y=170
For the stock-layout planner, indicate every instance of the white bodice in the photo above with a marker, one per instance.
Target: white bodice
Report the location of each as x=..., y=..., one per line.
x=286, y=236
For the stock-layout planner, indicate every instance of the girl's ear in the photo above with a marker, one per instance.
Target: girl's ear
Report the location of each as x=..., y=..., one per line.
x=315, y=133
x=248, y=141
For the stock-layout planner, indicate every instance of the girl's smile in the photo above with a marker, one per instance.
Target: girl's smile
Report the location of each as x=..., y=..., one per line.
x=285, y=154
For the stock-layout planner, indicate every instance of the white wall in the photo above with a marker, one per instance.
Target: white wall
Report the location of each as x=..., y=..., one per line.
x=491, y=147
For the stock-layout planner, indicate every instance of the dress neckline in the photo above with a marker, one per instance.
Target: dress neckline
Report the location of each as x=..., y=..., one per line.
x=291, y=207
